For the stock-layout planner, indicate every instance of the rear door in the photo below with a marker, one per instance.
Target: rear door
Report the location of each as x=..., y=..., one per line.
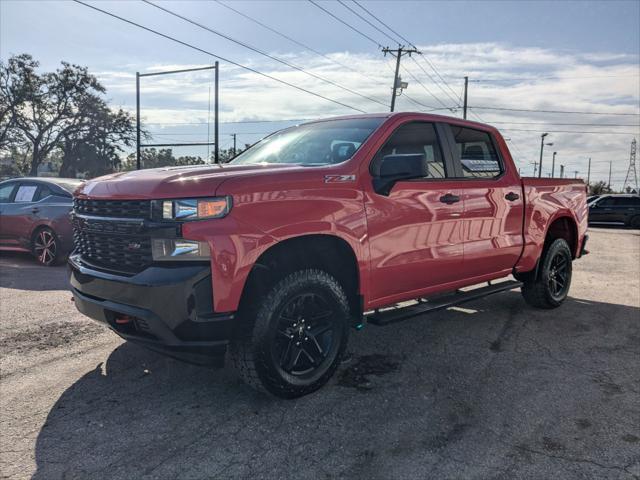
x=626, y=208
x=414, y=230
x=493, y=203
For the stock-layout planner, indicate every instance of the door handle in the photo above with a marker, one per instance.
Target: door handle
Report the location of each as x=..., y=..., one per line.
x=449, y=198
x=512, y=197
x=35, y=210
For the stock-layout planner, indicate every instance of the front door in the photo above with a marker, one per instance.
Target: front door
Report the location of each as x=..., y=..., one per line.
x=493, y=203
x=415, y=229
x=19, y=215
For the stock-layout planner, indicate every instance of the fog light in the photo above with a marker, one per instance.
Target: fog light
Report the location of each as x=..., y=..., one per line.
x=178, y=249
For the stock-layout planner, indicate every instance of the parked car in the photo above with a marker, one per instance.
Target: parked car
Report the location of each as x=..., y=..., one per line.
x=315, y=229
x=616, y=210
x=34, y=217
x=591, y=198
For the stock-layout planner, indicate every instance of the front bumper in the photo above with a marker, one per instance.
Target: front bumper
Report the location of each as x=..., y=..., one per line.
x=165, y=308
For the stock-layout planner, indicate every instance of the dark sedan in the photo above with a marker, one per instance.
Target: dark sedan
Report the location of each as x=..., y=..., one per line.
x=616, y=209
x=34, y=217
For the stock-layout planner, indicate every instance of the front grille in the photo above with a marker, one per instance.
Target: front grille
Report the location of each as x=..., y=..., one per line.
x=121, y=253
x=113, y=208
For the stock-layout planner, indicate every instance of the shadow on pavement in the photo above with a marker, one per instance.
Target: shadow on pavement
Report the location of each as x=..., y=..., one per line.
x=21, y=271
x=497, y=390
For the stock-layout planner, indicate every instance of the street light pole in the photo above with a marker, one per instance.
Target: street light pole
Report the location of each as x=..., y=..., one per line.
x=553, y=164
x=542, y=137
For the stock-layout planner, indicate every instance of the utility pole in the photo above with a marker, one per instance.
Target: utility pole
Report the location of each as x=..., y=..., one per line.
x=542, y=144
x=561, y=171
x=234, y=143
x=397, y=81
x=137, y=120
x=575, y=173
x=553, y=164
x=609, y=182
x=466, y=88
x=589, y=172
x=535, y=168
x=632, y=167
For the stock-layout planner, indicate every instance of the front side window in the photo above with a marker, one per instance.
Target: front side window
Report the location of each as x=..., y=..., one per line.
x=476, y=153
x=411, y=139
x=6, y=191
x=312, y=144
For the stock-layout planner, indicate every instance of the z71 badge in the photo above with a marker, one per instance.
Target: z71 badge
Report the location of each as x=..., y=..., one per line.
x=339, y=178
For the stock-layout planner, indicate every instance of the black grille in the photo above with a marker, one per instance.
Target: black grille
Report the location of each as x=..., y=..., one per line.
x=113, y=208
x=112, y=245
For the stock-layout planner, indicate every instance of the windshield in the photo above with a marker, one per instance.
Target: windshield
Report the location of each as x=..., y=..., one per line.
x=312, y=144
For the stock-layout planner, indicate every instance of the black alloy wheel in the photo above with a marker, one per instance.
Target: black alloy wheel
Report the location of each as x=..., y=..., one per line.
x=45, y=246
x=558, y=276
x=307, y=326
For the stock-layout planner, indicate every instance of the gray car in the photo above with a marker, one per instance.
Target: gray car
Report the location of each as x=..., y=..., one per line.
x=34, y=216
x=616, y=210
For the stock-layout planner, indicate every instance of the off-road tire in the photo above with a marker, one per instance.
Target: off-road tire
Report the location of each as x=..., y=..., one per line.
x=538, y=292
x=251, y=354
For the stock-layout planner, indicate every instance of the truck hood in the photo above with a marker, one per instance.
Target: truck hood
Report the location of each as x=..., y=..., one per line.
x=172, y=182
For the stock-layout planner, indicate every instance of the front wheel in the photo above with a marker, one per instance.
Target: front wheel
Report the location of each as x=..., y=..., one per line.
x=294, y=344
x=551, y=286
x=46, y=247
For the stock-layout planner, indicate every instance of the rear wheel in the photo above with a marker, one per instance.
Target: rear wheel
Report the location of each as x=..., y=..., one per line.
x=635, y=222
x=294, y=343
x=46, y=246
x=551, y=286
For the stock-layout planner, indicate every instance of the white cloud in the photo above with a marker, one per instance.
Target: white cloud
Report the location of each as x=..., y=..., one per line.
x=500, y=75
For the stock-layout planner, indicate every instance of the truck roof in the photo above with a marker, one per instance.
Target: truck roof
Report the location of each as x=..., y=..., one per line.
x=431, y=117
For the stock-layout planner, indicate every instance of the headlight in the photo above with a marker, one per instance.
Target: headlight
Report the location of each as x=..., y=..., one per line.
x=179, y=249
x=196, y=208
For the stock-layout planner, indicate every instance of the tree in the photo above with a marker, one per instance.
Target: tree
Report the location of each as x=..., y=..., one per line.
x=42, y=112
x=152, y=158
x=599, y=188
x=95, y=148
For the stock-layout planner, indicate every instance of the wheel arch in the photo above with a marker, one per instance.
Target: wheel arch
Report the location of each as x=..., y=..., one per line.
x=326, y=252
x=565, y=227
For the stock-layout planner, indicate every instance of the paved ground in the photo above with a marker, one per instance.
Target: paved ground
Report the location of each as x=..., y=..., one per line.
x=494, y=390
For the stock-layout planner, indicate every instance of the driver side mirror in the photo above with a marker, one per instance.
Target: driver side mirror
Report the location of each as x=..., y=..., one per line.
x=393, y=168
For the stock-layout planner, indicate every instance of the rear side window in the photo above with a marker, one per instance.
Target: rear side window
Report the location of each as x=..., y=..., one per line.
x=627, y=202
x=44, y=192
x=25, y=193
x=6, y=191
x=415, y=138
x=476, y=153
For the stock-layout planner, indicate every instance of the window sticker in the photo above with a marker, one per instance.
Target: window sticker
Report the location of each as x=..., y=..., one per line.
x=25, y=193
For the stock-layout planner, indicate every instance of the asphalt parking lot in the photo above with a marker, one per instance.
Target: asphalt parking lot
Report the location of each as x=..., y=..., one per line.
x=492, y=390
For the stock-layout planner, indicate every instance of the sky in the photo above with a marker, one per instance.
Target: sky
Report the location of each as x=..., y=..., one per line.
x=531, y=55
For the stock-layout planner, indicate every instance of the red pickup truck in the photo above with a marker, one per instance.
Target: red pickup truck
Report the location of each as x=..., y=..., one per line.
x=274, y=256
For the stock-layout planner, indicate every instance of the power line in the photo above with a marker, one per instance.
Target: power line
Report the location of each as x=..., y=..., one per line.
x=572, y=124
x=455, y=100
x=554, y=111
x=384, y=24
x=568, y=131
x=201, y=50
x=293, y=40
x=261, y=52
x=367, y=21
x=431, y=65
x=345, y=23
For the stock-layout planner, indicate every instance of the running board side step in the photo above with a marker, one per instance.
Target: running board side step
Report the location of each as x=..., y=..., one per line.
x=398, y=314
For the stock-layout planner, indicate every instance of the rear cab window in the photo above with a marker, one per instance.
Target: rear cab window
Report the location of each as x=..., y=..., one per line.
x=475, y=152
x=409, y=140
